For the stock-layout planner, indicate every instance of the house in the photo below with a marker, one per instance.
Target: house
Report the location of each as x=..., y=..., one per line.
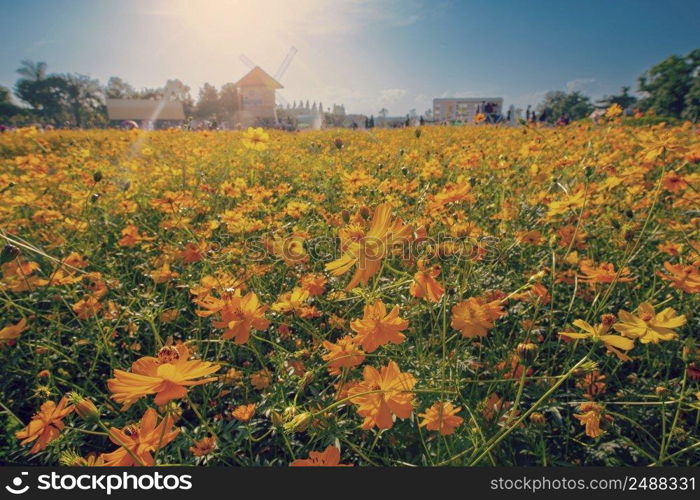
x=147, y=112
x=256, y=98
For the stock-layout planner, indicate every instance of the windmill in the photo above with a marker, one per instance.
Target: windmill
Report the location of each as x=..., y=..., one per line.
x=256, y=92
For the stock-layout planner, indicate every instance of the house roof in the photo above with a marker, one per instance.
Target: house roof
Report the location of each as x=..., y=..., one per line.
x=144, y=109
x=257, y=77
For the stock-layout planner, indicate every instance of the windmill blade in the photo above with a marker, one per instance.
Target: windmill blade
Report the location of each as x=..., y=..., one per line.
x=285, y=64
x=247, y=61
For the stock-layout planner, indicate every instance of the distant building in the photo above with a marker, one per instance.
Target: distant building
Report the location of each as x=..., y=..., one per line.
x=146, y=112
x=256, y=98
x=464, y=109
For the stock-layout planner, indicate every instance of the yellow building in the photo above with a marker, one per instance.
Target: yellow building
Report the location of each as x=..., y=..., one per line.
x=256, y=98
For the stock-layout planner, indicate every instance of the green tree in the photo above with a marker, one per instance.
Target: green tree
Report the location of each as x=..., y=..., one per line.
x=7, y=108
x=228, y=101
x=557, y=103
x=208, y=103
x=46, y=97
x=692, y=98
x=178, y=91
x=83, y=99
x=32, y=71
x=667, y=84
x=118, y=89
x=624, y=99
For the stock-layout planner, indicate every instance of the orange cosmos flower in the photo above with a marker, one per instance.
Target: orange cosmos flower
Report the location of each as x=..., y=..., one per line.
x=131, y=237
x=383, y=393
x=238, y=315
x=330, y=457
x=204, y=446
x=343, y=354
x=366, y=250
x=87, y=308
x=163, y=274
x=314, y=284
x=141, y=440
x=261, y=379
x=193, y=252
x=603, y=273
x=377, y=327
x=673, y=182
x=425, y=285
x=685, y=278
x=11, y=332
x=45, y=425
x=166, y=376
x=474, y=317
x=590, y=418
x=441, y=417
x=243, y=413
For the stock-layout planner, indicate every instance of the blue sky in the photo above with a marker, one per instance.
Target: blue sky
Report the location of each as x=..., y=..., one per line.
x=367, y=54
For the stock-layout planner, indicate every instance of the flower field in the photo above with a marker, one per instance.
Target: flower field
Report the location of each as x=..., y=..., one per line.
x=436, y=296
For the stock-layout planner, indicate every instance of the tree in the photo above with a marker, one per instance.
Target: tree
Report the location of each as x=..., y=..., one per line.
x=46, y=97
x=32, y=71
x=208, y=103
x=383, y=113
x=692, y=101
x=83, y=99
x=118, y=89
x=667, y=84
x=624, y=100
x=228, y=101
x=557, y=103
x=7, y=108
x=178, y=91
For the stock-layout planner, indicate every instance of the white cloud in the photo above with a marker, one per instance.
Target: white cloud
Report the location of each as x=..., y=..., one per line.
x=580, y=84
x=390, y=96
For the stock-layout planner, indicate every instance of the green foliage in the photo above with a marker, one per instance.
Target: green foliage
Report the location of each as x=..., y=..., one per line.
x=624, y=99
x=668, y=84
x=556, y=103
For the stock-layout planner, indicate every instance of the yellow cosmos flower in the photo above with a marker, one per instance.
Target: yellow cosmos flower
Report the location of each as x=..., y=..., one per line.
x=648, y=326
x=166, y=376
x=599, y=334
x=256, y=139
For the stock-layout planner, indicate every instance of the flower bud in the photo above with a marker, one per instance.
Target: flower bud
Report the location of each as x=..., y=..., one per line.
x=97, y=176
x=299, y=423
x=276, y=418
x=71, y=459
x=9, y=252
x=84, y=407
x=537, y=418
x=526, y=352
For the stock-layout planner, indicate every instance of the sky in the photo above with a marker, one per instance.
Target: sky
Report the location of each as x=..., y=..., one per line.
x=365, y=54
